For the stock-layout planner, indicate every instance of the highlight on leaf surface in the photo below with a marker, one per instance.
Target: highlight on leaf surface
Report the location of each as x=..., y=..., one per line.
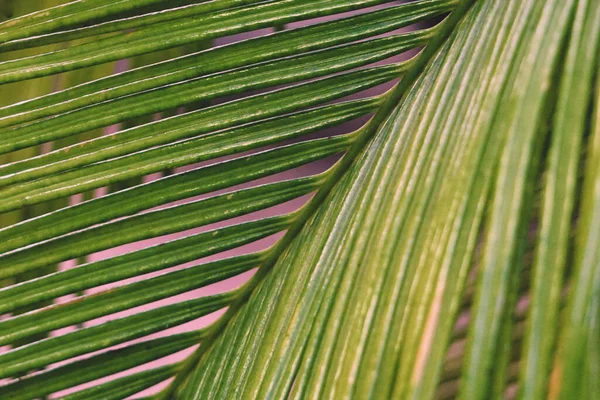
x=360, y=199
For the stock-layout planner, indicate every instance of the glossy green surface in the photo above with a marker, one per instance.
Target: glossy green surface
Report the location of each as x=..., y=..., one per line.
x=452, y=250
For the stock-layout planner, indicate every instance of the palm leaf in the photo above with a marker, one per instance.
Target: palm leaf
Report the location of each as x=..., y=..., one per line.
x=450, y=251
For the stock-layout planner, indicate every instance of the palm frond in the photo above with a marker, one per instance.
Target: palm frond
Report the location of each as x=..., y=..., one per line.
x=433, y=259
